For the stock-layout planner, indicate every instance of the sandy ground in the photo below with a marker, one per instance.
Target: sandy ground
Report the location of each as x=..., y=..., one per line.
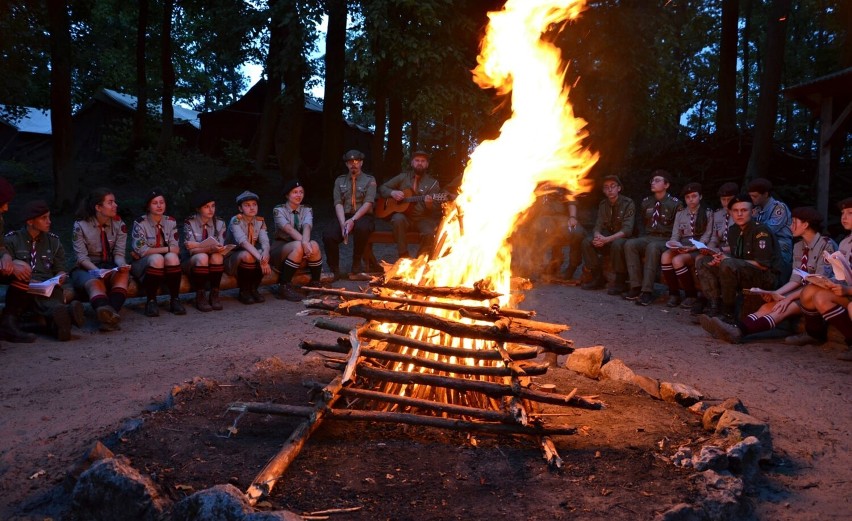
x=57, y=398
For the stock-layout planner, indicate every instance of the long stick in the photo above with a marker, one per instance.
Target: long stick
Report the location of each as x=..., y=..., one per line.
x=438, y=291
x=442, y=407
x=275, y=467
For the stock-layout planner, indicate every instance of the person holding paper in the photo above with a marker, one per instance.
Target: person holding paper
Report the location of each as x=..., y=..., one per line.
x=9, y=329
x=203, y=251
x=250, y=260
x=38, y=256
x=693, y=222
x=718, y=241
x=824, y=306
x=99, y=238
x=293, y=245
x=156, y=250
x=783, y=303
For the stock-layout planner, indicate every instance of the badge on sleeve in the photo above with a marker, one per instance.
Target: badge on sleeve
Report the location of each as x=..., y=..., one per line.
x=761, y=244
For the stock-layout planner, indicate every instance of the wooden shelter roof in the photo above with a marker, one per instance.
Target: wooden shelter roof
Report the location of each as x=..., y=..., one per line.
x=811, y=93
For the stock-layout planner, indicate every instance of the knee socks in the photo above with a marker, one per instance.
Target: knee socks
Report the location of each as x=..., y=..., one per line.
x=288, y=269
x=245, y=276
x=814, y=324
x=754, y=324
x=686, y=282
x=215, y=275
x=173, y=280
x=839, y=318
x=99, y=301
x=153, y=279
x=671, y=279
x=117, y=296
x=315, y=268
x=198, y=275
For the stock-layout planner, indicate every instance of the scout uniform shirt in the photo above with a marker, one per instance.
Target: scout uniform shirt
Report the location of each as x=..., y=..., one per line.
x=195, y=231
x=240, y=230
x=426, y=185
x=719, y=236
x=283, y=214
x=99, y=244
x=754, y=242
x=353, y=197
x=685, y=226
x=146, y=235
x=813, y=261
x=778, y=218
x=618, y=217
x=44, y=253
x=660, y=225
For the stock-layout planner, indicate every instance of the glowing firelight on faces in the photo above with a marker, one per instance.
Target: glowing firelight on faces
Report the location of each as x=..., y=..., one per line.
x=540, y=143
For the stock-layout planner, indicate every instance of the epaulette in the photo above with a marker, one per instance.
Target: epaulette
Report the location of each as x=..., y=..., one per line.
x=236, y=218
x=51, y=234
x=674, y=197
x=139, y=219
x=258, y=218
x=170, y=218
x=306, y=206
x=116, y=217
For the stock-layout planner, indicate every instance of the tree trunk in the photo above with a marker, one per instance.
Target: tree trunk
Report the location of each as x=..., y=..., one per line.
x=168, y=79
x=332, y=112
x=746, y=56
x=288, y=136
x=767, y=105
x=393, y=159
x=726, y=110
x=141, y=114
x=65, y=182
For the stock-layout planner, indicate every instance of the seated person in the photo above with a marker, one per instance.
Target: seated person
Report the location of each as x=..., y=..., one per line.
x=100, y=241
x=824, y=306
x=249, y=261
x=754, y=261
x=421, y=213
x=657, y=212
x=9, y=330
x=293, y=244
x=38, y=255
x=693, y=222
x=775, y=215
x=613, y=226
x=783, y=303
x=354, y=195
x=718, y=241
x=204, y=263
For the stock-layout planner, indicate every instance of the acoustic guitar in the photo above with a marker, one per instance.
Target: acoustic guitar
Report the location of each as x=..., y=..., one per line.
x=387, y=206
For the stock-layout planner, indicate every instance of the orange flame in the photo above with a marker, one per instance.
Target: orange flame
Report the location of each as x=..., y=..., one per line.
x=540, y=143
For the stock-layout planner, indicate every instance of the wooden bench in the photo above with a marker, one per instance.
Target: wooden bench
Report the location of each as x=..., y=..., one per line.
x=384, y=237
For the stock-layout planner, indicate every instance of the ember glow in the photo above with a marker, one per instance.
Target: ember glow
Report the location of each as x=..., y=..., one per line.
x=540, y=143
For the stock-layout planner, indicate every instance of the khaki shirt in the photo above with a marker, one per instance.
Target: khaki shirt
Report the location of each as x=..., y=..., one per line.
x=719, y=236
x=618, y=217
x=364, y=192
x=146, y=233
x=816, y=263
x=686, y=226
x=426, y=185
x=283, y=215
x=86, y=240
x=44, y=253
x=240, y=229
x=193, y=231
x=669, y=207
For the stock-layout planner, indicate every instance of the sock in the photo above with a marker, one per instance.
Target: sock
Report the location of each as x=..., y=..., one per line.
x=315, y=268
x=288, y=269
x=173, y=280
x=686, y=282
x=99, y=301
x=839, y=318
x=153, y=279
x=245, y=276
x=117, y=296
x=754, y=324
x=198, y=276
x=814, y=324
x=670, y=278
x=257, y=277
x=215, y=275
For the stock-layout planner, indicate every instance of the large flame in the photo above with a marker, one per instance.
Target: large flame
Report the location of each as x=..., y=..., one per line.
x=540, y=143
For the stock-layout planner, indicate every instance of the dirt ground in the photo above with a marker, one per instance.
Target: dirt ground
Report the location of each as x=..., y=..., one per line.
x=59, y=398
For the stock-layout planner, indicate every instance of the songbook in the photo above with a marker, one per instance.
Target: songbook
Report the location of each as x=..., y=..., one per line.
x=211, y=242
x=44, y=288
x=842, y=270
x=759, y=291
x=103, y=272
x=813, y=278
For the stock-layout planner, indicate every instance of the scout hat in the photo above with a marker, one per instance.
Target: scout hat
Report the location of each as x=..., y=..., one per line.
x=614, y=178
x=247, y=196
x=810, y=215
x=353, y=155
x=845, y=203
x=289, y=186
x=662, y=173
x=690, y=188
x=7, y=191
x=35, y=209
x=150, y=196
x=199, y=199
x=728, y=189
x=421, y=153
x=740, y=198
x=760, y=185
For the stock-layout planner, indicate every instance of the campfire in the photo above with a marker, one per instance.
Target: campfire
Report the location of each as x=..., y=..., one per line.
x=442, y=343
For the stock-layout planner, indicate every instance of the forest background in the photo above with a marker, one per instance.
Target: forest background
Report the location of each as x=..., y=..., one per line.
x=693, y=86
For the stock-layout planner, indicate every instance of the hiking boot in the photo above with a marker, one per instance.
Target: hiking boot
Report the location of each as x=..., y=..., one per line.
x=633, y=294
x=689, y=303
x=176, y=307
x=674, y=301
x=152, y=309
x=803, y=339
x=698, y=307
x=61, y=323
x=245, y=297
x=645, y=299
x=256, y=296
x=714, y=309
x=108, y=318
x=595, y=283
x=215, y=301
x=201, y=303
x=287, y=292
x=78, y=318
x=722, y=330
x=10, y=332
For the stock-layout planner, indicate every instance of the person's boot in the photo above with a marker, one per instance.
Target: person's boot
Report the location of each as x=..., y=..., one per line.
x=215, y=301
x=10, y=332
x=201, y=303
x=176, y=307
x=255, y=295
x=568, y=275
x=60, y=319
x=619, y=286
x=108, y=318
x=715, y=308
x=75, y=310
x=287, y=292
x=596, y=282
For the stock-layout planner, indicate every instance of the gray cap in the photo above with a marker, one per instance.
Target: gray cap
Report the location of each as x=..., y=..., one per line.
x=247, y=196
x=353, y=154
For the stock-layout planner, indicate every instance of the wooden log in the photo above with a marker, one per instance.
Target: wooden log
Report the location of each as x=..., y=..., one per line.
x=494, y=311
x=531, y=324
x=410, y=419
x=262, y=485
x=441, y=407
x=549, y=342
x=551, y=455
x=438, y=291
x=478, y=386
x=523, y=369
x=514, y=352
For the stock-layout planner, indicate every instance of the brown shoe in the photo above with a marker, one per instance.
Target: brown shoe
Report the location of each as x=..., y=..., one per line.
x=287, y=292
x=215, y=301
x=201, y=303
x=109, y=318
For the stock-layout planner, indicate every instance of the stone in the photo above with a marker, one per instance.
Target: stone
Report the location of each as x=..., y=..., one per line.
x=699, y=408
x=617, y=370
x=721, y=496
x=683, y=457
x=112, y=489
x=588, y=360
x=221, y=503
x=739, y=426
x=278, y=515
x=649, y=385
x=679, y=393
x=743, y=459
x=98, y=452
x=710, y=457
x=713, y=413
